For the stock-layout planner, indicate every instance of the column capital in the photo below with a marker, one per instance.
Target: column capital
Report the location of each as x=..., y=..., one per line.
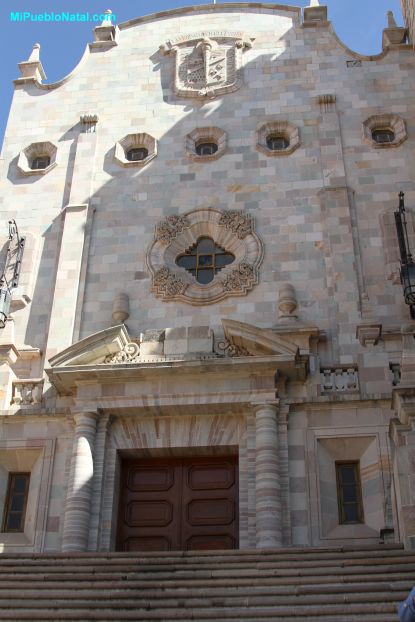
x=270, y=405
x=80, y=417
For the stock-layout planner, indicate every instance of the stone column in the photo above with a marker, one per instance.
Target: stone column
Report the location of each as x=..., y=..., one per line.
x=101, y=442
x=267, y=489
x=78, y=498
x=402, y=435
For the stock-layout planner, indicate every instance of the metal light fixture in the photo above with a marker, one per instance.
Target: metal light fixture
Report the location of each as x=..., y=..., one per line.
x=407, y=264
x=10, y=276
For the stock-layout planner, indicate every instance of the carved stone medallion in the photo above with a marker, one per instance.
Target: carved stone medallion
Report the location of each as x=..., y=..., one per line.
x=207, y=64
x=231, y=230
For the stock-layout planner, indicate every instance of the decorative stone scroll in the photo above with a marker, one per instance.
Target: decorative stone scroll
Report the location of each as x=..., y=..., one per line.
x=208, y=63
x=168, y=229
x=241, y=279
x=239, y=223
x=167, y=283
x=232, y=230
x=129, y=354
x=230, y=349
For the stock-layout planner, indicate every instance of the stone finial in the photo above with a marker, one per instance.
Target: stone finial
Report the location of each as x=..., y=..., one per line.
x=35, y=54
x=32, y=69
x=315, y=14
x=106, y=34
x=107, y=18
x=393, y=34
x=121, y=308
x=391, y=20
x=287, y=303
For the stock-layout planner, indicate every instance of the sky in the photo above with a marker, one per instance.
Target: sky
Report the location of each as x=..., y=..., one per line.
x=358, y=23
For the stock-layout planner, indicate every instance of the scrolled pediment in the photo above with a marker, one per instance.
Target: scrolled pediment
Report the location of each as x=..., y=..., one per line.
x=94, y=349
x=258, y=341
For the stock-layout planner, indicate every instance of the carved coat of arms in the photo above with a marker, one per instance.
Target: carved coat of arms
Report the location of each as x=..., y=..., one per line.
x=207, y=64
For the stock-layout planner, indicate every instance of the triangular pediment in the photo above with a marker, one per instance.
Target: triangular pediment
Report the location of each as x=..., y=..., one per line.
x=93, y=349
x=258, y=341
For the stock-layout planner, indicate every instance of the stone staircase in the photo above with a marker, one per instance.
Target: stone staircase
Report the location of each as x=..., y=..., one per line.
x=297, y=585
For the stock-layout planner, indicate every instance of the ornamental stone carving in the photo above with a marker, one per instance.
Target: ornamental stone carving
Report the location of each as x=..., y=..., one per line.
x=241, y=279
x=237, y=222
x=230, y=230
x=226, y=348
x=129, y=354
x=207, y=64
x=167, y=229
x=168, y=284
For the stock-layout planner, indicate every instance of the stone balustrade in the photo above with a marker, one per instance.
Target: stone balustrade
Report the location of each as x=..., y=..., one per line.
x=339, y=380
x=27, y=391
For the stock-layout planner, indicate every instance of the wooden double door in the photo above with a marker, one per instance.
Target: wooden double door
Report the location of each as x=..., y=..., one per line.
x=177, y=504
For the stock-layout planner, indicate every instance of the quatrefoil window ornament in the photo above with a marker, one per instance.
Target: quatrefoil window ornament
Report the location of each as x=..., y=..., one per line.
x=204, y=259
x=203, y=256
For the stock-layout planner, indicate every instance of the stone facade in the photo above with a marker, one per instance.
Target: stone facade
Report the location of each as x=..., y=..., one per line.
x=295, y=357
x=408, y=10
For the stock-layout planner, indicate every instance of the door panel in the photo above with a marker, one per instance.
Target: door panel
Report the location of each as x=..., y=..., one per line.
x=178, y=504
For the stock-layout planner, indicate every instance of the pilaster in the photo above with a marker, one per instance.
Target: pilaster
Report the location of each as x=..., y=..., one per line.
x=343, y=269
x=70, y=276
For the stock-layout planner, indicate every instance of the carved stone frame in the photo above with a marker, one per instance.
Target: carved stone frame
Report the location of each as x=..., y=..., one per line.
x=32, y=151
x=388, y=122
x=205, y=134
x=278, y=128
x=232, y=230
x=135, y=140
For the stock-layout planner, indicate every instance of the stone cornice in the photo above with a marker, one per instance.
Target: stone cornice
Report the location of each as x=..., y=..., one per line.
x=67, y=378
x=219, y=8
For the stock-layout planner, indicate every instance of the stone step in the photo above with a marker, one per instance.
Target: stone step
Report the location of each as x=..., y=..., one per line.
x=115, y=600
x=358, y=565
x=83, y=591
x=198, y=557
x=329, y=585
x=139, y=566
x=172, y=581
x=320, y=612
